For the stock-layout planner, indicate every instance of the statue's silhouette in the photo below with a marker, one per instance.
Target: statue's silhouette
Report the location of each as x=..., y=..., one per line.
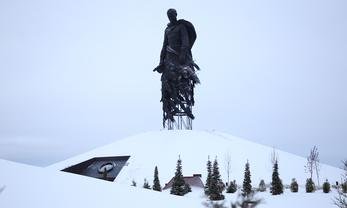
x=178, y=69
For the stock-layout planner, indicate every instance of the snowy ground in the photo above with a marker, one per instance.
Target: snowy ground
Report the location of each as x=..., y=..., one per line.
x=286, y=200
x=34, y=187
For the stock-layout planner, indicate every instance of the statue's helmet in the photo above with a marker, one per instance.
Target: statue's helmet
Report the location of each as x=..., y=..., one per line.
x=172, y=14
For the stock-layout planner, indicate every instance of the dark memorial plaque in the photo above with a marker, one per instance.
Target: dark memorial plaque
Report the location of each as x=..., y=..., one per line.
x=106, y=168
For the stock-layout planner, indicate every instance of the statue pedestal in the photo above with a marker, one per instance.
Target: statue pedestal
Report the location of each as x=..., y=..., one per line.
x=182, y=121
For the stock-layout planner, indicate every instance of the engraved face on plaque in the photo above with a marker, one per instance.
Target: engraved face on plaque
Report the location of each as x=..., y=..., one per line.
x=106, y=167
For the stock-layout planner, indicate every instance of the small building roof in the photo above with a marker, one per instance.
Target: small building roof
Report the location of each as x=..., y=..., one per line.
x=194, y=180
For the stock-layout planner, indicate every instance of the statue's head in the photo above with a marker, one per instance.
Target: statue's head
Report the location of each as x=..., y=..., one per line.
x=172, y=15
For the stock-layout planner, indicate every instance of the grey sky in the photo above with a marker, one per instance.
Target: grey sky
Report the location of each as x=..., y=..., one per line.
x=75, y=75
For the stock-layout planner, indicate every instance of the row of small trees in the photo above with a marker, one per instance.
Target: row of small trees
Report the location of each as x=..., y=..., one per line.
x=214, y=185
x=276, y=187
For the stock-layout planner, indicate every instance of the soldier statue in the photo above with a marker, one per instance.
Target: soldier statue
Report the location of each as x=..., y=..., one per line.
x=177, y=68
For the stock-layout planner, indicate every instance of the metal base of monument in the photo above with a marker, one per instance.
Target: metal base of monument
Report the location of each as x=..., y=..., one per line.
x=182, y=121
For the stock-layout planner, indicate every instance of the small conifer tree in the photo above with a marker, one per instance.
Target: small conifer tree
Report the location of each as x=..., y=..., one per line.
x=187, y=188
x=344, y=187
x=341, y=199
x=247, y=186
x=156, y=182
x=146, y=185
x=209, y=176
x=326, y=186
x=276, y=184
x=179, y=186
x=310, y=186
x=249, y=201
x=294, y=186
x=262, y=186
x=216, y=188
x=232, y=188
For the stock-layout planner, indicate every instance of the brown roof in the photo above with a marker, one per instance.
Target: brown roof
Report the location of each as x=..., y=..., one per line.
x=194, y=180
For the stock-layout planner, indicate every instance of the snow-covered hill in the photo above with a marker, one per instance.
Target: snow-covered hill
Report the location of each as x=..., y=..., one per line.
x=162, y=148
x=33, y=187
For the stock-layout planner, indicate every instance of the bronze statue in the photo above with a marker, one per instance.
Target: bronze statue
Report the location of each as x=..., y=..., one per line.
x=177, y=68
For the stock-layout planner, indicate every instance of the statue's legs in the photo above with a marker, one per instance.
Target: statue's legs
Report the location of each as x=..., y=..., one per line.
x=177, y=92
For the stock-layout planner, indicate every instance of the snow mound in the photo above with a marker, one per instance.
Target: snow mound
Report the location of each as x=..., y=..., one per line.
x=162, y=149
x=35, y=187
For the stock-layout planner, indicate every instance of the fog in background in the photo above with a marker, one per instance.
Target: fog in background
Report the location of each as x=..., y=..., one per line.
x=75, y=75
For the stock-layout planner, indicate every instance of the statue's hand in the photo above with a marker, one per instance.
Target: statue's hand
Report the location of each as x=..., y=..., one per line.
x=159, y=68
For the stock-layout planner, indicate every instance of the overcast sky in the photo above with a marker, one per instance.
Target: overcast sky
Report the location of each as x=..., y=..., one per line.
x=75, y=75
